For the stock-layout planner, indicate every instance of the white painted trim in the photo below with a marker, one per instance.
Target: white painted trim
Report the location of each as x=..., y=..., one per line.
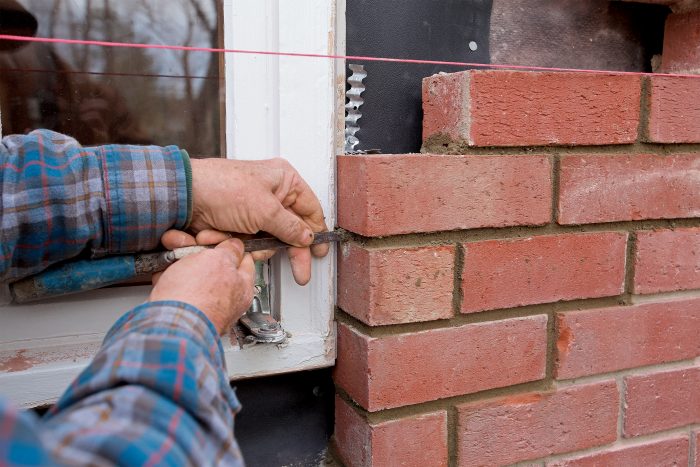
x=291, y=107
x=286, y=106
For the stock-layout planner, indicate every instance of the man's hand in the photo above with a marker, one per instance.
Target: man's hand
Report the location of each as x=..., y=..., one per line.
x=249, y=196
x=219, y=282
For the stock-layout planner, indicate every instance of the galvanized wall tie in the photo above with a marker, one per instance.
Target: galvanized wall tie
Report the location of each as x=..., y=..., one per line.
x=352, y=107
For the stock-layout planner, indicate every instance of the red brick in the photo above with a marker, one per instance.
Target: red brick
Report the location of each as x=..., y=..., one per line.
x=667, y=260
x=543, y=269
x=404, y=369
x=352, y=435
x=523, y=108
x=674, y=111
x=401, y=285
x=660, y=401
x=396, y=194
x=673, y=451
x=529, y=426
x=681, y=43
x=608, y=188
x=610, y=339
x=695, y=459
x=413, y=441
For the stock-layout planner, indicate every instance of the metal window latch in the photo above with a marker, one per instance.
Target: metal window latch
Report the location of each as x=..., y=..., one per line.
x=258, y=320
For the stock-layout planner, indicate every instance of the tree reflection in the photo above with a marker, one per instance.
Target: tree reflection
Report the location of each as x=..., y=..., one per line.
x=116, y=95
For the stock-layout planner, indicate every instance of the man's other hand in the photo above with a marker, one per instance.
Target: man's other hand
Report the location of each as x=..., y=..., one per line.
x=250, y=196
x=219, y=281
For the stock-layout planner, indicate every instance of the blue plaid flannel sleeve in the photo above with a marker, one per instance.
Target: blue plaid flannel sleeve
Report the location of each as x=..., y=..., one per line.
x=60, y=199
x=155, y=394
x=157, y=391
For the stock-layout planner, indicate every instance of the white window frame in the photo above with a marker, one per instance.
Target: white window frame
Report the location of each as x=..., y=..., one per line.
x=275, y=106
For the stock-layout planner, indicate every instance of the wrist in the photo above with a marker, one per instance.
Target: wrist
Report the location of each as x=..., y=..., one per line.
x=221, y=325
x=204, y=307
x=199, y=171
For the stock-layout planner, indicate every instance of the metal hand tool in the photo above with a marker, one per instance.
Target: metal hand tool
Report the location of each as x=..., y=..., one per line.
x=79, y=276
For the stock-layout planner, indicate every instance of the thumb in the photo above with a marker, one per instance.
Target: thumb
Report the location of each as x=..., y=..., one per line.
x=247, y=267
x=235, y=247
x=288, y=227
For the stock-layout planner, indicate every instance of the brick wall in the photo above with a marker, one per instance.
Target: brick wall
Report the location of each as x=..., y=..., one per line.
x=528, y=289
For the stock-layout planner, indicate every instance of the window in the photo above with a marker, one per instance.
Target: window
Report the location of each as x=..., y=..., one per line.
x=119, y=95
x=243, y=106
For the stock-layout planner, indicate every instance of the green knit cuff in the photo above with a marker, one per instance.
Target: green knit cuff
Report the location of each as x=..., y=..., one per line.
x=188, y=177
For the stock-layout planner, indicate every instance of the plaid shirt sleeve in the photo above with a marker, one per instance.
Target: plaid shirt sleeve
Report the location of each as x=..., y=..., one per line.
x=155, y=394
x=60, y=199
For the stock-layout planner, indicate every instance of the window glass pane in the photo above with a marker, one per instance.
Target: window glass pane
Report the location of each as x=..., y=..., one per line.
x=115, y=95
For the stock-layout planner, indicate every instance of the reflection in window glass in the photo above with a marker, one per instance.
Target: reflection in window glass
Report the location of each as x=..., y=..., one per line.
x=114, y=95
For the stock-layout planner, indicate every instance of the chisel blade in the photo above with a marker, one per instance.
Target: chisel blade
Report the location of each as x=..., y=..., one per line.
x=271, y=243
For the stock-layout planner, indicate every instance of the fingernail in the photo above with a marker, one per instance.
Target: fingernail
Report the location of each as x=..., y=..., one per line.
x=308, y=235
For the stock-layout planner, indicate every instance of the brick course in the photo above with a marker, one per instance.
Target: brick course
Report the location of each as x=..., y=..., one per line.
x=627, y=187
x=543, y=269
x=516, y=108
x=412, y=441
x=673, y=451
x=404, y=369
x=661, y=400
x=608, y=339
x=399, y=285
x=529, y=426
x=674, y=111
x=397, y=194
x=667, y=260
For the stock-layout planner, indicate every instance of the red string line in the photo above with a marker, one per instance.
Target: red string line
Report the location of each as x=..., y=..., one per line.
x=137, y=45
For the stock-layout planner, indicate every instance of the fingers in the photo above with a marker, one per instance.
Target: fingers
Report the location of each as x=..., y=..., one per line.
x=246, y=271
x=217, y=281
x=172, y=239
x=302, y=202
x=247, y=268
x=263, y=255
x=300, y=259
x=285, y=225
x=320, y=250
x=307, y=206
x=212, y=237
x=257, y=196
x=235, y=247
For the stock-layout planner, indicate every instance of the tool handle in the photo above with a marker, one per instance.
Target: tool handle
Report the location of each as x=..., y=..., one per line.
x=80, y=276
x=73, y=277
